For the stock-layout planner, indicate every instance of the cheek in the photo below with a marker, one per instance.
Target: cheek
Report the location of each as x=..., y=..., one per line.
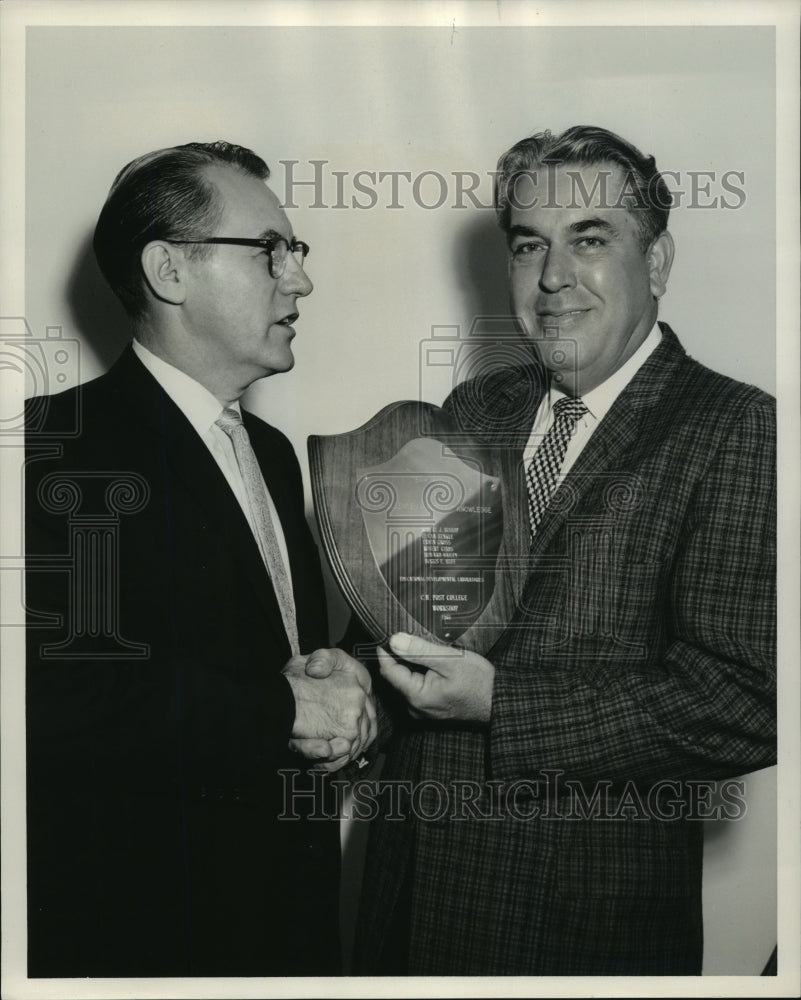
x=252, y=298
x=523, y=285
x=602, y=279
x=623, y=285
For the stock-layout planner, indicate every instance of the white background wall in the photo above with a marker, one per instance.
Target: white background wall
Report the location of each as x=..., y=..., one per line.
x=422, y=99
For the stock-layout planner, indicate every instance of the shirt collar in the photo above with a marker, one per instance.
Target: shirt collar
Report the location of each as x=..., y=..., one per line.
x=600, y=399
x=194, y=400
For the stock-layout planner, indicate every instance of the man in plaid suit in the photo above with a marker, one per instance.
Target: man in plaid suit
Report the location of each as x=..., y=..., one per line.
x=575, y=760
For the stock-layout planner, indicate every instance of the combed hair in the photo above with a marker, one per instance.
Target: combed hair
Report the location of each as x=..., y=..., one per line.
x=647, y=195
x=162, y=195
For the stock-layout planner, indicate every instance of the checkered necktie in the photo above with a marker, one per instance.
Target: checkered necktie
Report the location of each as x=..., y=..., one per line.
x=256, y=491
x=543, y=469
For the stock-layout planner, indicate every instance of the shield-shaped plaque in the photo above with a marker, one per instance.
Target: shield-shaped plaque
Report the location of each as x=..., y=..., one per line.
x=411, y=519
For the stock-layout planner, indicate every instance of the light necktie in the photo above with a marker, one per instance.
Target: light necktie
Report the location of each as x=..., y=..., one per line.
x=543, y=469
x=256, y=491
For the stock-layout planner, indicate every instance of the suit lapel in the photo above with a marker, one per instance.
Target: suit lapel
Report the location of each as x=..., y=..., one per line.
x=192, y=469
x=604, y=452
x=618, y=432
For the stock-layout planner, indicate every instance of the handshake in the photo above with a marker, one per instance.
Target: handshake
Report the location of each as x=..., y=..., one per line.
x=335, y=715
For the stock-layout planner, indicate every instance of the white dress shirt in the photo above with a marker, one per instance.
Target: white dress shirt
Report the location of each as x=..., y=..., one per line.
x=598, y=402
x=202, y=410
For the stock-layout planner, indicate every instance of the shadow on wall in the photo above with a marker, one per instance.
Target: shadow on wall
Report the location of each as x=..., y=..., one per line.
x=479, y=261
x=492, y=337
x=94, y=309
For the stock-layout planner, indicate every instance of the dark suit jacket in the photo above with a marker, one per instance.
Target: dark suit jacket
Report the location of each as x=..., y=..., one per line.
x=157, y=716
x=642, y=651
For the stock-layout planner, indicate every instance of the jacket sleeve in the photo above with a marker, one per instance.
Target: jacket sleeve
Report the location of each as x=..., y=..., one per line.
x=162, y=719
x=708, y=708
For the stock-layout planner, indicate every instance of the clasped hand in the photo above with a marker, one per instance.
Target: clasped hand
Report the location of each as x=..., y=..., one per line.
x=335, y=715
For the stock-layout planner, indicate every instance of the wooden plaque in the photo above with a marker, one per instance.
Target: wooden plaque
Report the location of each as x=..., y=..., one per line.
x=411, y=520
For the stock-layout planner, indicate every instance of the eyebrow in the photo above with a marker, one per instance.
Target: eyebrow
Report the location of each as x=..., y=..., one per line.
x=513, y=231
x=522, y=231
x=582, y=226
x=594, y=223
x=271, y=234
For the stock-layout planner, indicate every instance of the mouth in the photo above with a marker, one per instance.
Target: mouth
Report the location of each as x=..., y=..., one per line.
x=556, y=315
x=554, y=321
x=288, y=320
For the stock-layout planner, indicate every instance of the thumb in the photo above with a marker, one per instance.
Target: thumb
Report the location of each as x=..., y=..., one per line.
x=321, y=663
x=433, y=655
x=398, y=675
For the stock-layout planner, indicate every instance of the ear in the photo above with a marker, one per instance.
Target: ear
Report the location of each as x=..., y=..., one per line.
x=163, y=267
x=660, y=261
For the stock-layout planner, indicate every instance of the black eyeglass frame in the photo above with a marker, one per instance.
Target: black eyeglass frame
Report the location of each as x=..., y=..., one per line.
x=268, y=245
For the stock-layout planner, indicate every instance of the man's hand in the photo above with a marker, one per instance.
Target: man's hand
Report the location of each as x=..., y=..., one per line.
x=457, y=683
x=335, y=716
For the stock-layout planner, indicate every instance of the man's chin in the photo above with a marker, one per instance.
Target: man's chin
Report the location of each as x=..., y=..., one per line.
x=277, y=366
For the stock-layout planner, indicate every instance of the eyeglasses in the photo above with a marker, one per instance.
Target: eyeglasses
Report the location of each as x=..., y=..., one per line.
x=276, y=247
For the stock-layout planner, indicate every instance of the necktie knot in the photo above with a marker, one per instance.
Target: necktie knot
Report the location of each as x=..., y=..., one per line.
x=229, y=420
x=570, y=409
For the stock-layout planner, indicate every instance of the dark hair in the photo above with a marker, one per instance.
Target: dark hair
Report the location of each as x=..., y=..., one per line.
x=162, y=195
x=587, y=145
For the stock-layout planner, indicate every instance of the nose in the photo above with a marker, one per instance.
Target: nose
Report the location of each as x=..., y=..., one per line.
x=557, y=270
x=294, y=280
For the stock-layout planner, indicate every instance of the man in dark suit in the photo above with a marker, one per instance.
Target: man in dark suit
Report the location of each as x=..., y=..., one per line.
x=174, y=596
x=575, y=760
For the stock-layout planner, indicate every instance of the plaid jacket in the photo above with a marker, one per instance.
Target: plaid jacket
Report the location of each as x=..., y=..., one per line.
x=640, y=659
